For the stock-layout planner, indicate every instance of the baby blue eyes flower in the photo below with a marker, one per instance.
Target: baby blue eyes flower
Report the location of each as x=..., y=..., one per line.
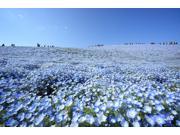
x=159, y=107
x=178, y=123
x=97, y=103
x=136, y=124
x=131, y=113
x=90, y=119
x=74, y=124
x=113, y=120
x=11, y=122
x=39, y=119
x=96, y=109
x=174, y=112
x=103, y=107
x=147, y=109
x=21, y=116
x=116, y=104
x=160, y=120
x=102, y=118
x=69, y=102
x=28, y=115
x=124, y=124
x=1, y=108
x=82, y=119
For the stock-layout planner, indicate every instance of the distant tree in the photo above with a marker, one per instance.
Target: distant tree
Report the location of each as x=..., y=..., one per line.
x=3, y=45
x=152, y=43
x=13, y=45
x=38, y=45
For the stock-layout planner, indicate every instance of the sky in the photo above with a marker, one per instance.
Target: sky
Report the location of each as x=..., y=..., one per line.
x=85, y=27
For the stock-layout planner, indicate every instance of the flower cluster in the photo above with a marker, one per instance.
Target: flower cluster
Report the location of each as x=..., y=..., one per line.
x=86, y=87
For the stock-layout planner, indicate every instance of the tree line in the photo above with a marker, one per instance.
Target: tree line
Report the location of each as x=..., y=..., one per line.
x=38, y=45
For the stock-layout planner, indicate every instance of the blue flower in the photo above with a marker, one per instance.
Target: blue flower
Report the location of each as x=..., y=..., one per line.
x=178, y=123
x=11, y=122
x=39, y=119
x=147, y=109
x=21, y=116
x=159, y=107
x=1, y=107
x=28, y=115
x=160, y=119
x=131, y=113
x=136, y=124
x=124, y=123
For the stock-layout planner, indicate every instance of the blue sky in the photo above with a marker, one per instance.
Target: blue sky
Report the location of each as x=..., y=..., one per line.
x=84, y=27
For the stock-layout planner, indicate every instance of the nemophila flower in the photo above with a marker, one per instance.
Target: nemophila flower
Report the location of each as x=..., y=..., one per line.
x=131, y=113
x=82, y=119
x=160, y=119
x=61, y=107
x=174, y=112
x=178, y=123
x=147, y=109
x=109, y=104
x=119, y=118
x=1, y=107
x=112, y=120
x=2, y=100
x=101, y=117
x=69, y=102
x=136, y=124
x=21, y=116
x=74, y=124
x=11, y=122
x=39, y=119
x=96, y=109
x=116, y=104
x=159, y=107
x=169, y=117
x=32, y=108
x=23, y=124
x=28, y=115
x=103, y=107
x=55, y=100
x=90, y=119
x=40, y=108
x=124, y=123
x=97, y=103
x=59, y=118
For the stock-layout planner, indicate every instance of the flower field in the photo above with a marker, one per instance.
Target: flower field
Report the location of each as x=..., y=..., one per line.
x=110, y=86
